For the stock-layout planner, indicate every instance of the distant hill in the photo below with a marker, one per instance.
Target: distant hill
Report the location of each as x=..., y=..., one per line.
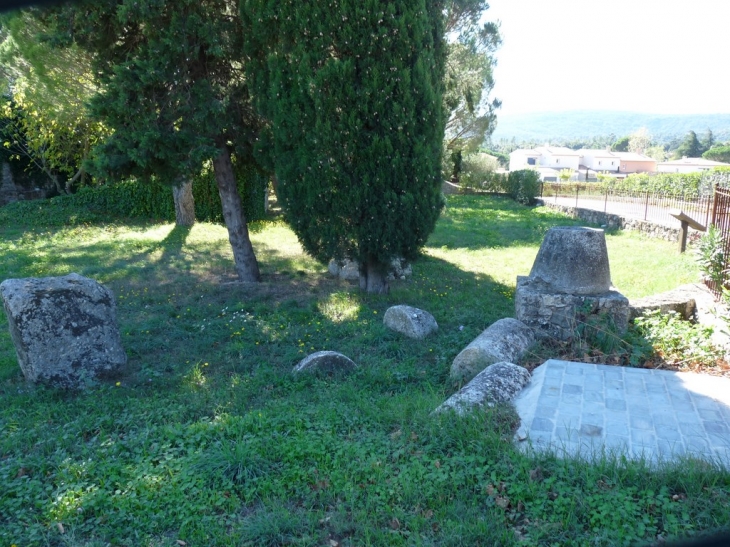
x=591, y=123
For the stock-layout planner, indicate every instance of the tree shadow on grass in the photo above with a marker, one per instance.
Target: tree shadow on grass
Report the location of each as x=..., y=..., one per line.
x=477, y=222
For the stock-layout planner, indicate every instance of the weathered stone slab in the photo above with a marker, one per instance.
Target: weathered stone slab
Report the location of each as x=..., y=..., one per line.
x=325, y=361
x=556, y=314
x=573, y=260
x=350, y=270
x=64, y=329
x=497, y=383
x=680, y=300
x=410, y=321
x=505, y=340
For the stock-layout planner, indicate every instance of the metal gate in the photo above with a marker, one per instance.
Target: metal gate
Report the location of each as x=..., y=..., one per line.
x=721, y=220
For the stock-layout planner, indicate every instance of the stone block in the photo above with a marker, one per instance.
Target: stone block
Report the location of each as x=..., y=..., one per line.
x=64, y=329
x=680, y=300
x=557, y=315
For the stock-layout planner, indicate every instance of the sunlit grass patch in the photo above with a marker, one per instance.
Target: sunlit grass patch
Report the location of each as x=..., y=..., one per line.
x=339, y=307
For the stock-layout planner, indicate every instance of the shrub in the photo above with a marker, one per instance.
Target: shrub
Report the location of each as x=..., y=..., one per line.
x=477, y=171
x=664, y=183
x=711, y=256
x=523, y=186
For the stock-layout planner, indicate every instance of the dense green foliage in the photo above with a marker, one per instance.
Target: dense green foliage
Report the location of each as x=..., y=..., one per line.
x=208, y=439
x=523, y=186
x=174, y=96
x=171, y=86
x=690, y=147
x=621, y=145
x=141, y=199
x=718, y=153
x=710, y=253
x=44, y=119
x=478, y=171
x=353, y=93
x=132, y=198
x=677, y=340
x=660, y=183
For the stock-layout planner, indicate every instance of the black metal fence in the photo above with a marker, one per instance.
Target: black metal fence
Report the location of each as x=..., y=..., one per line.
x=649, y=206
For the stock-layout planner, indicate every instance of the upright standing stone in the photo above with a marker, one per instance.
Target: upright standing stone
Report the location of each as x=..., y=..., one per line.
x=573, y=260
x=64, y=329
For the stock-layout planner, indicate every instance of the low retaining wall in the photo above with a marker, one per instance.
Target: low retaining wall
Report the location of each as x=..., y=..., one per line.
x=611, y=221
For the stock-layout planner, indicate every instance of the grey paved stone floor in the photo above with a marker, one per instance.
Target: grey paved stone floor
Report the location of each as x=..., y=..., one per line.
x=589, y=410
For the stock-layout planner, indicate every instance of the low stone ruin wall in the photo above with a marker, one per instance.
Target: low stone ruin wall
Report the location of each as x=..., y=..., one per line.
x=611, y=221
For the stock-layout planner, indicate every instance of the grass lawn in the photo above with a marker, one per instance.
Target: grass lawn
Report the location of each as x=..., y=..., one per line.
x=208, y=439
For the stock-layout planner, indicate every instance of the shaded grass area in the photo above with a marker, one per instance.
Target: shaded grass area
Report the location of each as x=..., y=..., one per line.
x=209, y=439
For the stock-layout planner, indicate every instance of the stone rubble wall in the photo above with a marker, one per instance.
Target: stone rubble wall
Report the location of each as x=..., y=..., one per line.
x=612, y=221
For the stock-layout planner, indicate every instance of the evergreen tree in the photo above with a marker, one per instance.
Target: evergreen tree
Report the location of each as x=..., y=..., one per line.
x=173, y=94
x=353, y=93
x=621, y=145
x=690, y=147
x=707, y=141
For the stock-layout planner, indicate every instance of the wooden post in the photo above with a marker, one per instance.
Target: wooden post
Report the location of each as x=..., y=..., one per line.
x=683, y=237
x=686, y=223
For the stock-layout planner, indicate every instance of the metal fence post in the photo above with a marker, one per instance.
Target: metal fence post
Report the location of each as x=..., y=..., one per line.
x=646, y=207
x=576, y=195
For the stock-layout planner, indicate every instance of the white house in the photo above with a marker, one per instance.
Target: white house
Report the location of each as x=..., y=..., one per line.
x=599, y=160
x=689, y=165
x=558, y=157
x=523, y=159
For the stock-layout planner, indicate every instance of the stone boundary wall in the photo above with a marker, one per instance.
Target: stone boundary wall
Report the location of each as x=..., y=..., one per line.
x=612, y=221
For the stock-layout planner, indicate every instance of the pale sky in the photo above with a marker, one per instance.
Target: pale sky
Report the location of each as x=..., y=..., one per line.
x=653, y=56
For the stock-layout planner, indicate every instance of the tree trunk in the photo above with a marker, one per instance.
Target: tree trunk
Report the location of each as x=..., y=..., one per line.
x=247, y=267
x=70, y=182
x=372, y=277
x=184, y=203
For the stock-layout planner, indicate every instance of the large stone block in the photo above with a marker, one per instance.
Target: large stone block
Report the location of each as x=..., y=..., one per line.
x=557, y=315
x=573, y=260
x=64, y=329
x=680, y=300
x=504, y=340
x=410, y=321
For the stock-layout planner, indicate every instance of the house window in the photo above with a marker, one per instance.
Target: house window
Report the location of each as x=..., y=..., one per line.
x=599, y=163
x=557, y=161
x=611, y=163
x=530, y=161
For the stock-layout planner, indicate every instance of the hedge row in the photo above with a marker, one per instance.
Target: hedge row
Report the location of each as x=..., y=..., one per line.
x=152, y=199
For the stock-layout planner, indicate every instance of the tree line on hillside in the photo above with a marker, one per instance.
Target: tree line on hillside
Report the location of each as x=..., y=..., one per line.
x=347, y=107
x=640, y=141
